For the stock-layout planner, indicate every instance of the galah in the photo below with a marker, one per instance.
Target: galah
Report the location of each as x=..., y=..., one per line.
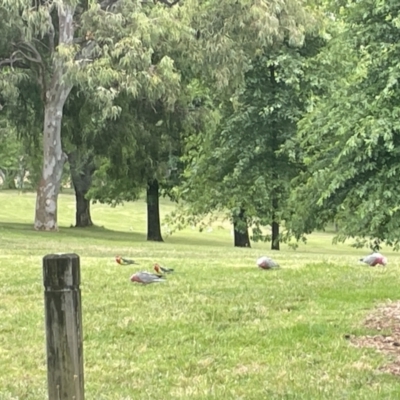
x=374, y=259
x=267, y=263
x=146, y=278
x=159, y=269
x=124, y=261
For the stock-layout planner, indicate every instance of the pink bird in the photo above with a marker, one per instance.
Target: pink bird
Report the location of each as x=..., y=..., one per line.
x=374, y=259
x=146, y=278
x=266, y=263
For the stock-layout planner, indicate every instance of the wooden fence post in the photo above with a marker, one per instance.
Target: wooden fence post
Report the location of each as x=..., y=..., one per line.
x=63, y=321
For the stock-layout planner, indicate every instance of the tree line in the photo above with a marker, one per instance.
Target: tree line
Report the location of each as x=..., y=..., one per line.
x=279, y=116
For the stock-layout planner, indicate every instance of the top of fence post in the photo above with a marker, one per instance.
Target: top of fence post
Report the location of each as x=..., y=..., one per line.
x=61, y=271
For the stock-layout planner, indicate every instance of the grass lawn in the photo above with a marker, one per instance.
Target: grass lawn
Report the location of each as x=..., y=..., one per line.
x=219, y=328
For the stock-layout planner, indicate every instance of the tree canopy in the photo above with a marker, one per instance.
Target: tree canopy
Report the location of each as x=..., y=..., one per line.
x=350, y=140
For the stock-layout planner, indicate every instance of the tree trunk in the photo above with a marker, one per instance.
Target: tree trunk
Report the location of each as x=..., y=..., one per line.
x=275, y=224
x=56, y=94
x=275, y=178
x=153, y=212
x=53, y=163
x=9, y=180
x=240, y=230
x=336, y=227
x=82, y=169
x=275, y=245
x=83, y=218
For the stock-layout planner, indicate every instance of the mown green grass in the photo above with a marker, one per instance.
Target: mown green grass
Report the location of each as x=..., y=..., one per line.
x=217, y=329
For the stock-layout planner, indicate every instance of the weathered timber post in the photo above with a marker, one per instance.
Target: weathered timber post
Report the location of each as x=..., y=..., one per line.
x=63, y=319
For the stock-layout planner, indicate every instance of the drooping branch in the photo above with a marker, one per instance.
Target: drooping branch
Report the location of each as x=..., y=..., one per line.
x=13, y=61
x=107, y=5
x=30, y=53
x=28, y=46
x=169, y=3
x=24, y=52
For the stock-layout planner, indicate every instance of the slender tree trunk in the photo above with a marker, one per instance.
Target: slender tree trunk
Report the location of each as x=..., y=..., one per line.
x=9, y=180
x=153, y=212
x=82, y=169
x=240, y=230
x=275, y=245
x=56, y=93
x=336, y=227
x=274, y=195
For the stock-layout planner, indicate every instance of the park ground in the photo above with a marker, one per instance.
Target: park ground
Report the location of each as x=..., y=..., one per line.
x=219, y=328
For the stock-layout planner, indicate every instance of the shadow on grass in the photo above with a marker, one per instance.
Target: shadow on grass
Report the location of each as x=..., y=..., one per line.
x=93, y=232
x=99, y=233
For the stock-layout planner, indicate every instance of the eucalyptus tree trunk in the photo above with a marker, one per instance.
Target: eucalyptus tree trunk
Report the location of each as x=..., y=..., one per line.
x=82, y=169
x=153, y=212
x=241, y=230
x=56, y=92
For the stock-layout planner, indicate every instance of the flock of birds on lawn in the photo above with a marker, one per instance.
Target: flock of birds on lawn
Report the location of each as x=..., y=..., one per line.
x=264, y=262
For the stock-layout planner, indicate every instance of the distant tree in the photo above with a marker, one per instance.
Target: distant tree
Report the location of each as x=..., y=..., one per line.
x=243, y=167
x=105, y=47
x=141, y=155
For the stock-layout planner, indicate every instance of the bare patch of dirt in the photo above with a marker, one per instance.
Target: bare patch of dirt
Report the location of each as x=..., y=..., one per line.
x=385, y=318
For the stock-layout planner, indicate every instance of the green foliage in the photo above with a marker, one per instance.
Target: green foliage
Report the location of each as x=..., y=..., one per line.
x=223, y=34
x=11, y=157
x=245, y=161
x=351, y=139
x=18, y=165
x=145, y=145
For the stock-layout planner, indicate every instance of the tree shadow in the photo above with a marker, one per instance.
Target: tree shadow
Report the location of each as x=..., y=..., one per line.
x=93, y=232
x=99, y=233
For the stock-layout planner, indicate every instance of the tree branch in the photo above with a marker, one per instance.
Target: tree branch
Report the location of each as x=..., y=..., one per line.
x=169, y=3
x=9, y=62
x=37, y=58
x=106, y=5
x=51, y=34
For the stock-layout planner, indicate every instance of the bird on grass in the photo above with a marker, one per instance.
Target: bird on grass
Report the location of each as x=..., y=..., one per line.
x=146, y=278
x=374, y=259
x=267, y=263
x=124, y=261
x=162, y=270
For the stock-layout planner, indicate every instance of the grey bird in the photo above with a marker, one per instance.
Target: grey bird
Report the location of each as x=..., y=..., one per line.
x=146, y=278
x=374, y=259
x=267, y=263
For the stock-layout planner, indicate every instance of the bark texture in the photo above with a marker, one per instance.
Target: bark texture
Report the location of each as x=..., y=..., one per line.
x=63, y=324
x=56, y=93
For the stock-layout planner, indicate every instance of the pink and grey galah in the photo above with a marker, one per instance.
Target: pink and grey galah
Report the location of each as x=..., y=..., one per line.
x=146, y=278
x=374, y=259
x=267, y=263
